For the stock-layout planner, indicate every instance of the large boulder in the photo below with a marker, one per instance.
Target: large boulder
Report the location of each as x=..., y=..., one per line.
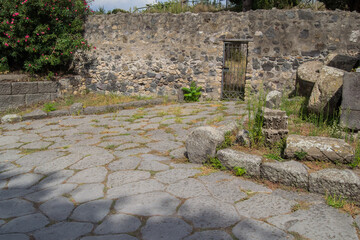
x=306, y=76
x=350, y=106
x=202, y=142
x=319, y=149
x=326, y=95
x=343, y=62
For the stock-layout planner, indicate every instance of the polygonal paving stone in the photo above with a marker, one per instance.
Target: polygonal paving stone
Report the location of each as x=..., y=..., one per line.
x=29, y=138
x=206, y=212
x=134, y=188
x=151, y=157
x=317, y=223
x=50, y=193
x=174, y=175
x=118, y=223
x=160, y=135
x=25, y=224
x=3, y=183
x=5, y=140
x=216, y=177
x=131, y=152
x=88, y=192
x=264, y=206
x=110, y=237
x=14, y=172
x=299, y=196
x=36, y=145
x=126, y=146
x=24, y=181
x=58, y=164
x=148, y=204
x=153, y=166
x=94, y=211
x=120, y=178
x=57, y=209
x=226, y=191
x=128, y=163
x=39, y=158
x=15, y=208
x=256, y=230
x=15, y=236
x=93, y=161
x=164, y=146
x=6, y=166
x=178, y=153
x=91, y=175
x=251, y=186
x=63, y=230
x=54, y=179
x=14, y=193
x=187, y=188
x=10, y=155
x=210, y=235
x=169, y=228
x=186, y=165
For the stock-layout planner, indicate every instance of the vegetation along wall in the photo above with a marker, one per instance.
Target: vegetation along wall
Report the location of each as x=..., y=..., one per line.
x=156, y=54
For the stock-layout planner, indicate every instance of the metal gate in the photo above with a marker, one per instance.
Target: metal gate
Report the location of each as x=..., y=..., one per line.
x=234, y=69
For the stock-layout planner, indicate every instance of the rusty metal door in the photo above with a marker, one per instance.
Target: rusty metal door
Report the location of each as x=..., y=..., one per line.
x=234, y=69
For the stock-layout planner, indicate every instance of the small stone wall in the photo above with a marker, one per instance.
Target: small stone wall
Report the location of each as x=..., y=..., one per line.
x=17, y=94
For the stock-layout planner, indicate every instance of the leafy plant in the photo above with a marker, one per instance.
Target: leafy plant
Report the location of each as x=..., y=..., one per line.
x=239, y=171
x=356, y=161
x=193, y=93
x=215, y=163
x=228, y=142
x=274, y=156
x=49, y=107
x=335, y=201
x=300, y=155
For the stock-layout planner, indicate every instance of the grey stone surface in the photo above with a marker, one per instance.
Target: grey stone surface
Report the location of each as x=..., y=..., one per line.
x=118, y=223
x=76, y=109
x=50, y=193
x=243, y=138
x=319, y=149
x=39, y=158
x=128, y=163
x=291, y=173
x=57, y=209
x=94, y=211
x=91, y=175
x=11, y=101
x=319, y=222
x=36, y=114
x=37, y=145
x=15, y=208
x=273, y=99
x=11, y=118
x=47, y=87
x=174, y=175
x=264, y=206
x=15, y=236
x=227, y=191
x=24, y=87
x=357, y=221
x=340, y=61
x=187, y=188
x=58, y=164
x=335, y=181
x=306, y=76
x=170, y=228
x=257, y=230
x=119, y=178
x=110, y=237
x=231, y=158
x=39, y=97
x=148, y=204
x=206, y=212
x=350, y=104
x=5, y=88
x=88, y=192
x=93, y=161
x=63, y=230
x=24, y=181
x=164, y=146
x=25, y=224
x=202, y=142
x=209, y=235
x=54, y=179
x=153, y=166
x=134, y=188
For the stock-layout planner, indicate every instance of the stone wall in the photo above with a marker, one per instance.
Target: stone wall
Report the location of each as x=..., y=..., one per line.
x=17, y=94
x=157, y=54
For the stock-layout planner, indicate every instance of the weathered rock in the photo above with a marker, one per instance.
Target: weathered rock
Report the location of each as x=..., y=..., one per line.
x=306, y=76
x=36, y=114
x=343, y=62
x=290, y=173
x=229, y=126
x=335, y=181
x=273, y=99
x=319, y=149
x=275, y=126
x=350, y=106
x=243, y=138
x=11, y=118
x=231, y=158
x=76, y=109
x=202, y=142
x=326, y=94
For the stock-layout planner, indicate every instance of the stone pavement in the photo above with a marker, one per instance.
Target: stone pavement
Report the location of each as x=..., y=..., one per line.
x=115, y=176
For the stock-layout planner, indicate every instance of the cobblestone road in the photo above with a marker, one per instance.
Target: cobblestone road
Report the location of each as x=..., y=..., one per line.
x=115, y=176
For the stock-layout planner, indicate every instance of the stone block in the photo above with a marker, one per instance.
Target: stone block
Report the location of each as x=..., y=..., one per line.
x=290, y=173
x=5, y=88
x=319, y=149
x=76, y=108
x=231, y=158
x=229, y=126
x=11, y=118
x=350, y=106
x=47, y=87
x=335, y=181
x=274, y=136
x=24, y=88
x=273, y=99
x=36, y=114
x=275, y=119
x=94, y=110
x=12, y=77
x=11, y=101
x=37, y=98
x=202, y=142
x=343, y=62
x=59, y=113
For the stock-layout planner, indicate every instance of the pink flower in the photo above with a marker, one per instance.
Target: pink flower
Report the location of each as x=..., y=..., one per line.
x=6, y=44
x=27, y=36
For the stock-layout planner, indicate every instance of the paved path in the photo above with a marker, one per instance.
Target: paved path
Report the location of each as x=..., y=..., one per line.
x=114, y=176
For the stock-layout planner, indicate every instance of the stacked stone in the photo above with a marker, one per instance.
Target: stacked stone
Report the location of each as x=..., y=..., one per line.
x=275, y=126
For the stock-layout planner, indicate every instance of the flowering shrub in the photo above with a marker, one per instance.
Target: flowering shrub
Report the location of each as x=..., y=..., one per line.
x=41, y=35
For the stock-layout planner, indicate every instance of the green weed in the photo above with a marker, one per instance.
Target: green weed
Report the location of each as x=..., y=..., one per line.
x=300, y=155
x=193, y=93
x=228, y=142
x=215, y=163
x=335, y=201
x=239, y=171
x=49, y=107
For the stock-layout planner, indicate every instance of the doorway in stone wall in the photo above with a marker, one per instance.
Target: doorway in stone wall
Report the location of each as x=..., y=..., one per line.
x=234, y=69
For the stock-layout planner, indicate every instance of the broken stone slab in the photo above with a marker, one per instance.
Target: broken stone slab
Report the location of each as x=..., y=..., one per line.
x=58, y=113
x=36, y=114
x=340, y=61
x=335, y=181
x=76, y=109
x=326, y=95
x=11, y=118
x=350, y=105
x=275, y=126
x=289, y=173
x=319, y=149
x=231, y=158
x=202, y=142
x=306, y=76
x=273, y=99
